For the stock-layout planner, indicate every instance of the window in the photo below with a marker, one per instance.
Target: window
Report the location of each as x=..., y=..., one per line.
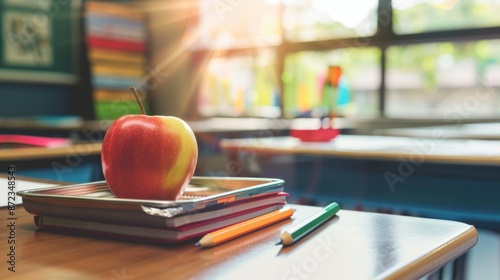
x=240, y=85
x=312, y=20
x=305, y=73
x=417, y=16
x=430, y=79
x=229, y=24
x=399, y=59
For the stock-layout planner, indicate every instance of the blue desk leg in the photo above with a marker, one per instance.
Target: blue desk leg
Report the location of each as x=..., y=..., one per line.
x=459, y=266
x=455, y=270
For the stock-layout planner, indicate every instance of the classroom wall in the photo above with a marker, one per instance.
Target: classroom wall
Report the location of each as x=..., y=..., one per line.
x=19, y=100
x=39, y=78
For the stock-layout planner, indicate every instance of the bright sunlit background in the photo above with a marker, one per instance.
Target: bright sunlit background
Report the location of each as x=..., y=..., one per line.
x=269, y=58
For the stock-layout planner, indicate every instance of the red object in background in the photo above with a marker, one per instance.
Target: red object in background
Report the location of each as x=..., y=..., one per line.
x=334, y=74
x=315, y=135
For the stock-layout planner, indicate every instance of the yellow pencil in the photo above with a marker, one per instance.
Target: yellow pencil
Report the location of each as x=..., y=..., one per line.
x=239, y=229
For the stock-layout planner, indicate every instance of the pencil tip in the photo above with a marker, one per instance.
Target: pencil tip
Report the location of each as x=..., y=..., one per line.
x=197, y=244
x=279, y=242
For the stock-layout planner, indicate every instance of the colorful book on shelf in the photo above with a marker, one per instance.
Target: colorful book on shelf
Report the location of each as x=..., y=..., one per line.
x=118, y=83
x=103, y=42
x=182, y=233
x=113, y=34
x=114, y=9
x=97, y=55
x=110, y=110
x=115, y=28
x=114, y=22
x=113, y=95
x=101, y=69
x=133, y=32
x=116, y=42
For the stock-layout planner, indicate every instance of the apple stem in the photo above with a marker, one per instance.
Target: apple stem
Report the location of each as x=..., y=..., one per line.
x=136, y=95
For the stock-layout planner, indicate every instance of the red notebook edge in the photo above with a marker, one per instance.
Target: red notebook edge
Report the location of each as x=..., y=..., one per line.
x=209, y=221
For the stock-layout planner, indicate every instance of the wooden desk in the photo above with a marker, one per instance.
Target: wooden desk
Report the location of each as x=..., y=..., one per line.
x=443, y=178
x=23, y=184
x=353, y=245
x=376, y=147
x=30, y=153
x=483, y=131
x=76, y=163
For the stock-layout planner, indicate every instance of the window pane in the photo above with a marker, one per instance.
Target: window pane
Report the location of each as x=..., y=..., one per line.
x=240, y=86
x=235, y=24
x=305, y=74
x=309, y=20
x=414, y=16
x=444, y=80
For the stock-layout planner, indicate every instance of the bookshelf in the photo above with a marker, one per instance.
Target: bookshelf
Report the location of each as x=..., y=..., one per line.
x=116, y=42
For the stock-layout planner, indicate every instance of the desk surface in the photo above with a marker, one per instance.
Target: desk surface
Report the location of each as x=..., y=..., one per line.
x=29, y=153
x=377, y=147
x=484, y=131
x=353, y=245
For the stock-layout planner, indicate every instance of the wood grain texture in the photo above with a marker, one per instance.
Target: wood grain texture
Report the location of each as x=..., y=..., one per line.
x=30, y=153
x=353, y=245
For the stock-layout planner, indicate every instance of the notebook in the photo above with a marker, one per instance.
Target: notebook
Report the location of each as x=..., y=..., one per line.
x=165, y=235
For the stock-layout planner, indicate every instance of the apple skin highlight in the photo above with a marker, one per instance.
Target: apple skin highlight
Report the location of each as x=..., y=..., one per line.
x=149, y=157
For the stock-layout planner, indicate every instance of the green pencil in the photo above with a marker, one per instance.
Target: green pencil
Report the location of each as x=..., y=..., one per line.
x=295, y=233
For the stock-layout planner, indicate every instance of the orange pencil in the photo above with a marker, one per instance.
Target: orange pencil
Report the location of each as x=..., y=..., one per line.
x=239, y=229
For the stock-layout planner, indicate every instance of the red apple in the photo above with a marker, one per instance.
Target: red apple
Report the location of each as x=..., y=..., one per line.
x=148, y=157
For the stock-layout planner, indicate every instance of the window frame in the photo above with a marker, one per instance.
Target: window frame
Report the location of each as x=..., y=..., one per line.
x=383, y=38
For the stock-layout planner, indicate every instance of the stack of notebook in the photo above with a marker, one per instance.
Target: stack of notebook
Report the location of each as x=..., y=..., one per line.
x=92, y=209
x=116, y=43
